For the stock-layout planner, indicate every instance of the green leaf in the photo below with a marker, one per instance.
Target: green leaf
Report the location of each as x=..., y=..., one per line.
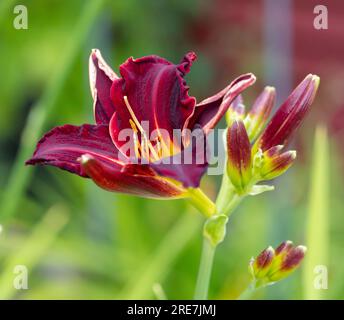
x=317, y=220
x=20, y=175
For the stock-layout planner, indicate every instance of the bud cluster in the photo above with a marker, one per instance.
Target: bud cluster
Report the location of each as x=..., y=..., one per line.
x=254, y=154
x=273, y=265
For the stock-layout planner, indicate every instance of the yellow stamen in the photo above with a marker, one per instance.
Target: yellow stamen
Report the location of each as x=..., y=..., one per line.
x=136, y=140
x=144, y=148
x=164, y=148
x=132, y=114
x=158, y=147
x=144, y=137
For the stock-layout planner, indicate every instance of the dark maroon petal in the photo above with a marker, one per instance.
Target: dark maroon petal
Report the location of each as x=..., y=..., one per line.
x=156, y=92
x=101, y=78
x=210, y=111
x=63, y=146
x=290, y=114
x=188, y=166
x=136, y=180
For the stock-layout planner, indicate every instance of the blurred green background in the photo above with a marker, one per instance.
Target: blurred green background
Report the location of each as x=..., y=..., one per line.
x=80, y=242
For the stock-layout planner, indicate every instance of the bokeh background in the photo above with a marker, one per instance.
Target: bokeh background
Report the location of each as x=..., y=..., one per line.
x=78, y=241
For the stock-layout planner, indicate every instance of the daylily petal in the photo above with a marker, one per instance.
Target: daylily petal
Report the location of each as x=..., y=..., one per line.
x=110, y=178
x=156, y=92
x=62, y=146
x=101, y=78
x=210, y=111
x=188, y=166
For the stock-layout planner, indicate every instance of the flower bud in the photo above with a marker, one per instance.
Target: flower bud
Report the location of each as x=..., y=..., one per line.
x=239, y=163
x=276, y=163
x=261, y=265
x=289, y=115
x=236, y=110
x=260, y=112
x=273, y=265
x=281, y=251
x=290, y=261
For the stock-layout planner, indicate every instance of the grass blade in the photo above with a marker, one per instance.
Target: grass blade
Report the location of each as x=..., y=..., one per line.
x=20, y=175
x=317, y=221
x=33, y=248
x=158, y=265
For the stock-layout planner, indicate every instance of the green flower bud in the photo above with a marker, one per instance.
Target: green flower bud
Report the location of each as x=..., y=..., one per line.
x=276, y=163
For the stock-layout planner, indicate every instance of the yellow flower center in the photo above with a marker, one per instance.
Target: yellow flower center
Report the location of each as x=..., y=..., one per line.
x=145, y=148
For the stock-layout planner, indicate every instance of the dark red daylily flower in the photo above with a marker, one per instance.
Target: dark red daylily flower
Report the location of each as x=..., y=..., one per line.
x=153, y=90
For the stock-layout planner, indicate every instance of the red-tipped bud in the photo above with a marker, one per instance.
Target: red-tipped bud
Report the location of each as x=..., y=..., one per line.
x=274, y=265
x=239, y=163
x=261, y=265
x=236, y=110
x=293, y=258
x=276, y=163
x=260, y=112
x=289, y=115
x=288, y=263
x=284, y=248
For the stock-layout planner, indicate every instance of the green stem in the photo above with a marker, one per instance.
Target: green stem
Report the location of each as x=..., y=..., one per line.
x=204, y=272
x=228, y=199
x=236, y=199
x=201, y=202
x=226, y=192
x=247, y=293
x=226, y=203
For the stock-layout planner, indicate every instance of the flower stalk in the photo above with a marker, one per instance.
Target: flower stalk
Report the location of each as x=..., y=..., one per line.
x=201, y=202
x=214, y=232
x=204, y=273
